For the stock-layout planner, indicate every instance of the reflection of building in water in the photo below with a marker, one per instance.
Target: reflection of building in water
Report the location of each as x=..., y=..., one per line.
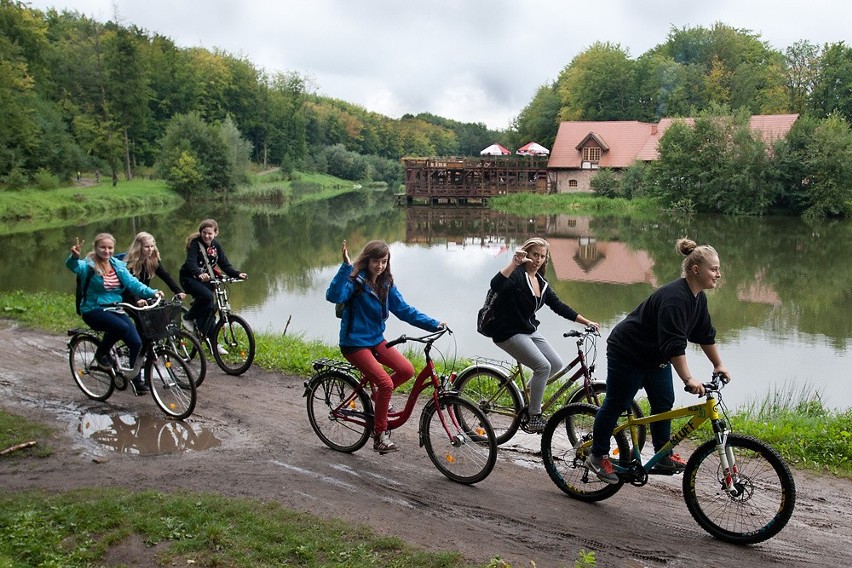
x=585, y=259
x=463, y=224
x=758, y=291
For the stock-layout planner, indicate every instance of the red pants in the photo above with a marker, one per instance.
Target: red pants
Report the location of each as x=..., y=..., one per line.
x=372, y=362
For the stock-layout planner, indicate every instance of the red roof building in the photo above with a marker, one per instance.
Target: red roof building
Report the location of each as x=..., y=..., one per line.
x=582, y=147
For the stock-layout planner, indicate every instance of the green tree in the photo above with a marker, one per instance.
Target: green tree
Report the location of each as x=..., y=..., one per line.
x=191, y=148
x=801, y=65
x=598, y=84
x=833, y=88
x=539, y=120
x=605, y=183
x=829, y=167
x=239, y=151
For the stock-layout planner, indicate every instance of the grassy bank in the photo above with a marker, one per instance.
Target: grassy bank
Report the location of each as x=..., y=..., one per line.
x=33, y=209
x=574, y=204
x=797, y=424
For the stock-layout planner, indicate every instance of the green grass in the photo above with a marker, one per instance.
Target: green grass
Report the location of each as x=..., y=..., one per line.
x=16, y=430
x=32, y=209
x=574, y=204
x=271, y=187
x=179, y=529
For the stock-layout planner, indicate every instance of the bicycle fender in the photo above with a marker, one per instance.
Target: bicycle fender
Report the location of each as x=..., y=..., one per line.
x=421, y=427
x=489, y=367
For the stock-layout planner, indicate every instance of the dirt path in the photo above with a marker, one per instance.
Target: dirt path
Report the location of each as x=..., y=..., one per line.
x=269, y=452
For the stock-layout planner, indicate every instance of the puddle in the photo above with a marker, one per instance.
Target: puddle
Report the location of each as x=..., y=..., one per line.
x=145, y=435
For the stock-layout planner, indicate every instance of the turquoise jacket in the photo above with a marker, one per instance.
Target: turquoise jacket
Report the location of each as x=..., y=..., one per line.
x=369, y=313
x=96, y=296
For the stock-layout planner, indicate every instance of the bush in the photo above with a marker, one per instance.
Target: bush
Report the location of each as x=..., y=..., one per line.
x=605, y=183
x=16, y=180
x=45, y=180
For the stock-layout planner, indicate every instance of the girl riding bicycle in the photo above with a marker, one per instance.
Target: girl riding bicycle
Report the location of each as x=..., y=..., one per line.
x=643, y=348
x=369, y=295
x=143, y=262
x=105, y=280
x=521, y=291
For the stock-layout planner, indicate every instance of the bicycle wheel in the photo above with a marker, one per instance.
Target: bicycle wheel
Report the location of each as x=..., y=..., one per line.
x=94, y=383
x=342, y=428
x=234, y=345
x=458, y=439
x=171, y=384
x=496, y=397
x=765, y=491
x=564, y=459
x=597, y=398
x=189, y=348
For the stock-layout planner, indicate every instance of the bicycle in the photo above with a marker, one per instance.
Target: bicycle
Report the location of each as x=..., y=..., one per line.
x=168, y=376
x=340, y=411
x=736, y=487
x=234, y=347
x=502, y=392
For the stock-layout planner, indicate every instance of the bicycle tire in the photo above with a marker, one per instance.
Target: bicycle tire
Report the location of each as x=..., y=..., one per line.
x=564, y=459
x=95, y=384
x=234, y=334
x=458, y=439
x=496, y=396
x=343, y=430
x=596, y=399
x=171, y=384
x=187, y=345
x=767, y=491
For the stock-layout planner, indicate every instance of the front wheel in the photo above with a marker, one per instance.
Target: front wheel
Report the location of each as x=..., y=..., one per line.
x=458, y=439
x=564, y=458
x=171, y=383
x=595, y=396
x=94, y=383
x=188, y=346
x=233, y=347
x=340, y=416
x=764, y=491
x=496, y=396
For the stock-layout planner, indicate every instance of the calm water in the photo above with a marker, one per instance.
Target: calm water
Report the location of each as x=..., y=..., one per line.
x=782, y=312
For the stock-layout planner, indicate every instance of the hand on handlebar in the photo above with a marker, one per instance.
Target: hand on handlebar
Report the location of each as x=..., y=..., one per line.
x=694, y=386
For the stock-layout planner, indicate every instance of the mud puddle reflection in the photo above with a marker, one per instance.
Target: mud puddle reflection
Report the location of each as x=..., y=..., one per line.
x=145, y=435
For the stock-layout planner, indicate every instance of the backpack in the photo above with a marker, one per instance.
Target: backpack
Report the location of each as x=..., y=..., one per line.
x=339, y=307
x=82, y=287
x=486, y=318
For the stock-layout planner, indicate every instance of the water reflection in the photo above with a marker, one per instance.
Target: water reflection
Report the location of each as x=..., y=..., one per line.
x=145, y=435
x=782, y=309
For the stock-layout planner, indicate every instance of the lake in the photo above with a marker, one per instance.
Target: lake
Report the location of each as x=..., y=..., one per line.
x=781, y=311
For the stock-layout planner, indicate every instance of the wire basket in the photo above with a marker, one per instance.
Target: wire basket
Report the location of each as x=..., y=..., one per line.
x=159, y=322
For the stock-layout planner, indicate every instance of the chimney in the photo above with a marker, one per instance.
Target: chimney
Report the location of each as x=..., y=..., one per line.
x=653, y=130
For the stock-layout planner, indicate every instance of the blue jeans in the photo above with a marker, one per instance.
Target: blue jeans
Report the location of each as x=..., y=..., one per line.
x=623, y=381
x=115, y=327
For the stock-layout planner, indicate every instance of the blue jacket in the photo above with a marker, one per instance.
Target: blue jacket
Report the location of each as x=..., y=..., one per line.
x=96, y=295
x=369, y=313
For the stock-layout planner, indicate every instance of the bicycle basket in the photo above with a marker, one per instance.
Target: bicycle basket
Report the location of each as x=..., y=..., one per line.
x=159, y=322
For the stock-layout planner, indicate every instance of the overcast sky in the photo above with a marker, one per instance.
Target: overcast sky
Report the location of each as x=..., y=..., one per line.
x=469, y=60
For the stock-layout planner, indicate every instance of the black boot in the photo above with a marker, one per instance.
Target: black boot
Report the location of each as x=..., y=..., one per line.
x=139, y=386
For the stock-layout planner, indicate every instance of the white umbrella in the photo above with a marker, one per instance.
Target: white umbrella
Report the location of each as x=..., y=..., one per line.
x=495, y=150
x=532, y=149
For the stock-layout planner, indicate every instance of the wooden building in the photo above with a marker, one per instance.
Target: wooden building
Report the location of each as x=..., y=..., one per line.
x=460, y=181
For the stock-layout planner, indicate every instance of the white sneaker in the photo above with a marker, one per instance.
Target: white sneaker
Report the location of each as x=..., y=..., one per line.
x=221, y=350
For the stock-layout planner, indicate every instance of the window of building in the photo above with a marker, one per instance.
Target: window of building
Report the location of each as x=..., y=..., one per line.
x=572, y=183
x=592, y=154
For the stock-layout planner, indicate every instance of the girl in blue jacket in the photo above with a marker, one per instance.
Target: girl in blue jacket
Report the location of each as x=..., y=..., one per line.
x=105, y=287
x=369, y=295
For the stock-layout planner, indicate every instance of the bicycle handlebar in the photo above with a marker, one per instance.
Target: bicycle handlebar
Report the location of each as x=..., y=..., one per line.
x=225, y=280
x=716, y=384
x=587, y=331
x=428, y=338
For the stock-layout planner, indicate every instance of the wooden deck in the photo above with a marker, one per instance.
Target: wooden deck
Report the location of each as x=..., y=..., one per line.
x=462, y=181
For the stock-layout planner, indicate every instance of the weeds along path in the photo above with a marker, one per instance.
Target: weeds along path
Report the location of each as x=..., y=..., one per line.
x=269, y=452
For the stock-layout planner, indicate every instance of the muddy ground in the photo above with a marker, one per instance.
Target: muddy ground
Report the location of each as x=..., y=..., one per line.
x=252, y=439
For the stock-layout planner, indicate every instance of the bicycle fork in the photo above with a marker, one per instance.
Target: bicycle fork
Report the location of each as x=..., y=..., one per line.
x=730, y=478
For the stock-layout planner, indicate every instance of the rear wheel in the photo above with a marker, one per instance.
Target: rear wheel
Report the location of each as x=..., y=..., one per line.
x=233, y=347
x=459, y=439
x=564, y=460
x=342, y=418
x=189, y=348
x=94, y=383
x=596, y=398
x=764, y=491
x=171, y=384
x=496, y=396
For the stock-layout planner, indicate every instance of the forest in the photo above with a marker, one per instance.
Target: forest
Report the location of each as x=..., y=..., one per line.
x=79, y=94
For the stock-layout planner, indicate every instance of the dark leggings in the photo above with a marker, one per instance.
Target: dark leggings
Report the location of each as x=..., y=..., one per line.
x=201, y=310
x=116, y=326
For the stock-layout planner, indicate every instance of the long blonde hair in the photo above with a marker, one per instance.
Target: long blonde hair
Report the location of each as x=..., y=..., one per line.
x=93, y=254
x=538, y=242
x=136, y=261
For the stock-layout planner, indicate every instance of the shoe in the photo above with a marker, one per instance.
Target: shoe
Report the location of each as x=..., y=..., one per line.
x=188, y=324
x=536, y=424
x=221, y=350
x=669, y=465
x=382, y=443
x=103, y=362
x=602, y=467
x=139, y=386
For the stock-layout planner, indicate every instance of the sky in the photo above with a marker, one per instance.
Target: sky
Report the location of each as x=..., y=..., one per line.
x=468, y=60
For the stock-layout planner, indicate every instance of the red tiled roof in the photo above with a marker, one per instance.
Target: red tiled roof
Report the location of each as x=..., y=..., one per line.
x=630, y=140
